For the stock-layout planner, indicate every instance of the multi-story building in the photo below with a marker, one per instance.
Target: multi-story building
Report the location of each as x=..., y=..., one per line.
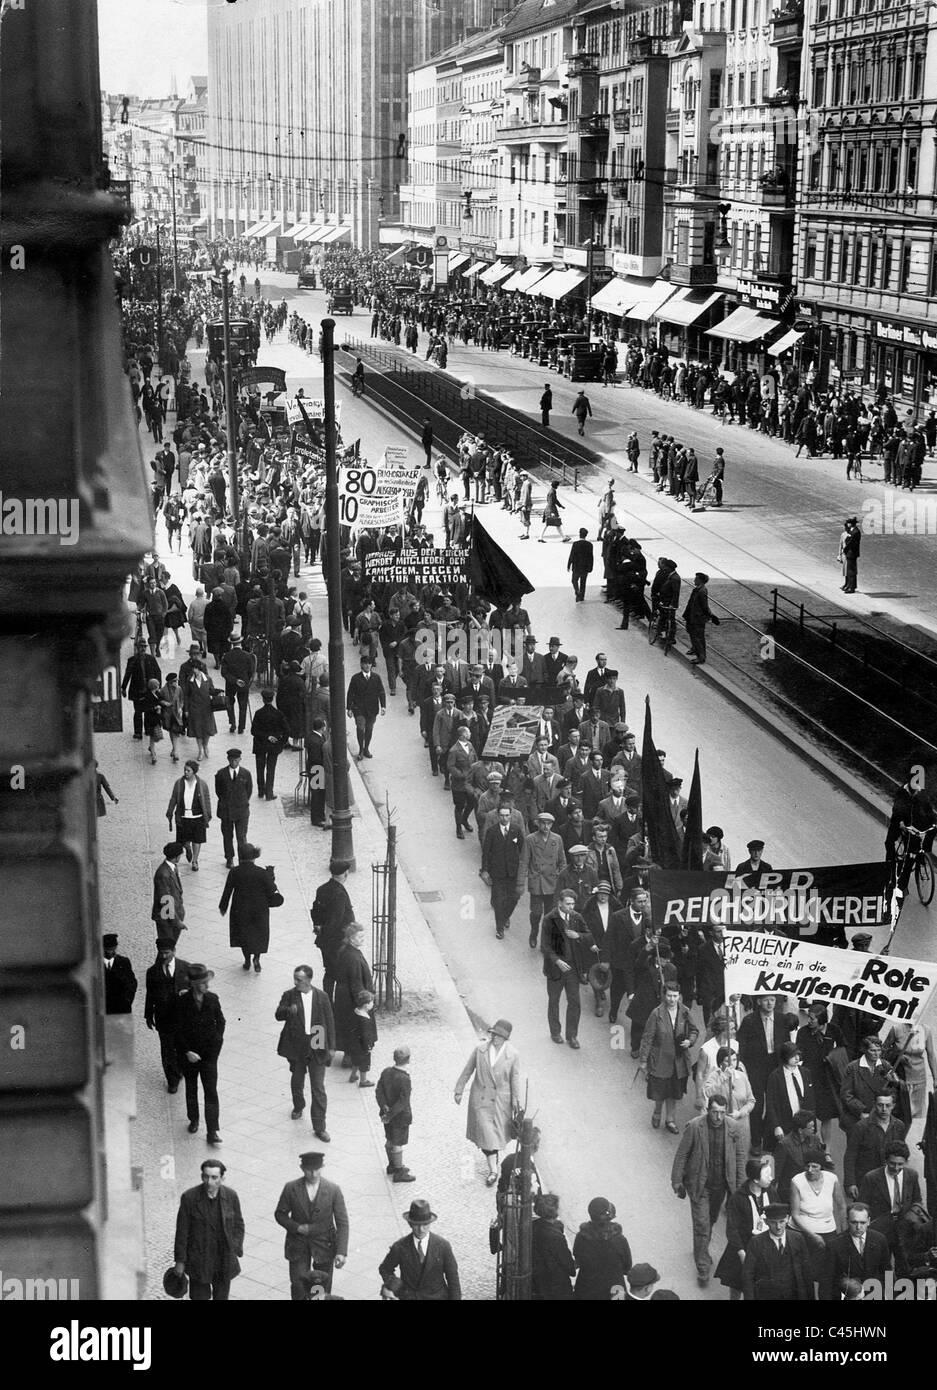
x=157, y=146
x=482, y=66
x=867, y=271
x=308, y=116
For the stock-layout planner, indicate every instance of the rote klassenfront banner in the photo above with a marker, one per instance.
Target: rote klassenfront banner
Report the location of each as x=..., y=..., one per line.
x=418, y=566
x=887, y=986
x=821, y=905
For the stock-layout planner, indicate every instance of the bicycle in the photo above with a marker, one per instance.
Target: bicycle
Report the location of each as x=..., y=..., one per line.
x=357, y=386
x=916, y=861
x=663, y=626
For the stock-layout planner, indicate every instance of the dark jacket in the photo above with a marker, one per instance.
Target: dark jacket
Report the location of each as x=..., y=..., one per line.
x=435, y=1281
x=331, y=913
x=661, y=1050
x=778, y=1112
x=847, y=1263
x=740, y=1226
x=768, y=1277
x=159, y=1005
x=327, y=1218
x=551, y=1262
x=192, y=1230
x=392, y=1094
x=859, y=1088
x=294, y=1045
x=604, y=1258
x=753, y=1050
x=168, y=911
x=251, y=892
x=501, y=854
x=365, y=696
x=120, y=985
x=233, y=794
x=352, y=974
x=201, y=802
x=873, y=1190
x=581, y=557
x=269, y=722
x=865, y=1147
x=197, y=1029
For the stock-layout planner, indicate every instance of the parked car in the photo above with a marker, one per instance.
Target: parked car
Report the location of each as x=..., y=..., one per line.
x=340, y=302
x=307, y=279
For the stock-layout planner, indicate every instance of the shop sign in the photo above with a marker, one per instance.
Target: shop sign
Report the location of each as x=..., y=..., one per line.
x=906, y=336
x=758, y=295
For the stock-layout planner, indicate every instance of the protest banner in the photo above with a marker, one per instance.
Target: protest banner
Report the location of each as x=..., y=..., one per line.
x=817, y=904
x=377, y=495
x=418, y=566
x=513, y=731
x=314, y=407
x=887, y=986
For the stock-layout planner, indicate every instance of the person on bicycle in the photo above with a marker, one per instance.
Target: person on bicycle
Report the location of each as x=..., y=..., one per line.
x=357, y=378
x=665, y=595
x=911, y=809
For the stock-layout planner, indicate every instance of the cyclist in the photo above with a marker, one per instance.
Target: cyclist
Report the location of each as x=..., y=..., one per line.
x=665, y=595
x=357, y=378
x=911, y=809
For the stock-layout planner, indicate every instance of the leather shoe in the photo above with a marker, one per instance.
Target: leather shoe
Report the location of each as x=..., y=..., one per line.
x=499, y=933
x=573, y=1042
x=460, y=833
x=193, y=1126
x=295, y=1114
x=557, y=1038
x=324, y=1135
x=229, y=863
x=532, y=940
x=173, y=1089
x=214, y=1137
x=403, y=1175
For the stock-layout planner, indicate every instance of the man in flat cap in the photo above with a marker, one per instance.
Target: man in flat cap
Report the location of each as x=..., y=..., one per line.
x=754, y=864
x=640, y=1286
x=120, y=983
x=312, y=1212
x=168, y=911
x=542, y=860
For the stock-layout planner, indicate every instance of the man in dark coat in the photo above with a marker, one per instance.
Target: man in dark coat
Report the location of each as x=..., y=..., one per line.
x=428, y=1269
x=864, y=1081
x=696, y=615
x=760, y=1037
x=868, y=1140
x=601, y=1252
x=580, y=563
x=165, y=981
x=859, y=1252
x=168, y=911
x=393, y=1098
x=233, y=790
x=502, y=849
x=251, y=892
x=120, y=983
x=237, y=671
x=562, y=935
x=777, y=1263
x=331, y=912
x=315, y=771
x=140, y=668
x=891, y=1190
x=307, y=1041
x=546, y=405
x=271, y=734
x=200, y=1026
x=365, y=697
x=851, y=544
x=312, y=1212
x=209, y=1235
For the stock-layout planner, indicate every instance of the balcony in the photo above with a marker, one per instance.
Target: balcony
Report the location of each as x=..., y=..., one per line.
x=777, y=189
x=684, y=189
x=643, y=47
x=518, y=131
x=591, y=190
x=692, y=275
x=594, y=127
x=787, y=25
x=578, y=64
x=621, y=120
x=782, y=97
x=619, y=190
x=773, y=266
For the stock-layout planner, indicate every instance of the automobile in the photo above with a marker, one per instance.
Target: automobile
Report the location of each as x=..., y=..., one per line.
x=546, y=342
x=585, y=361
x=340, y=302
x=307, y=279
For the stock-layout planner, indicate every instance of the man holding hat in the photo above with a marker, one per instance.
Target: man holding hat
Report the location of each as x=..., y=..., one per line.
x=120, y=983
x=233, y=790
x=312, y=1212
x=428, y=1269
x=199, y=1028
x=165, y=981
x=777, y=1263
x=168, y=911
x=754, y=864
x=209, y=1236
x=542, y=860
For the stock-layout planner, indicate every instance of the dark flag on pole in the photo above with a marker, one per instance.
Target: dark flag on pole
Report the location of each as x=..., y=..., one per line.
x=691, y=851
x=492, y=573
x=659, y=829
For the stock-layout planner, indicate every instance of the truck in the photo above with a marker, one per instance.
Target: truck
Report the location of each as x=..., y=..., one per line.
x=283, y=252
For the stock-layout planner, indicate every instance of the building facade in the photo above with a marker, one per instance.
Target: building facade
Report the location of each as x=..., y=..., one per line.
x=158, y=147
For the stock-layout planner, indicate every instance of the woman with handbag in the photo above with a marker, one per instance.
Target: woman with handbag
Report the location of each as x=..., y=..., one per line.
x=190, y=808
x=669, y=1033
x=199, y=719
x=173, y=716
x=251, y=892
x=152, y=707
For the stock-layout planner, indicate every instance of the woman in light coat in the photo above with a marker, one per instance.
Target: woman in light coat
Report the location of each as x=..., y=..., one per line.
x=494, y=1068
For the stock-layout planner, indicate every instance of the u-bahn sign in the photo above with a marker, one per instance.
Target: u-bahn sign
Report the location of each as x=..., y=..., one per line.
x=106, y=706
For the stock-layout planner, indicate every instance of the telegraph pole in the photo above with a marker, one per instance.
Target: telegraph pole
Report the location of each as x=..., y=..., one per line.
x=160, y=346
x=229, y=401
x=343, y=845
x=175, y=244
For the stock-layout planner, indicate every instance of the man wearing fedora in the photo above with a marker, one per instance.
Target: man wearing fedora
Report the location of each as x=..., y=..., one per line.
x=237, y=672
x=233, y=790
x=199, y=1027
x=312, y=1212
x=428, y=1272
x=209, y=1237
x=165, y=980
x=120, y=983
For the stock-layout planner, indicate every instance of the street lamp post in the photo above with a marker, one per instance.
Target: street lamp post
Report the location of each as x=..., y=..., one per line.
x=229, y=399
x=343, y=846
x=175, y=244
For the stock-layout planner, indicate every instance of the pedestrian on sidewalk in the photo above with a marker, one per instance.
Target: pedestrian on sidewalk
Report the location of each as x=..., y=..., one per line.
x=551, y=513
x=233, y=790
x=606, y=509
x=312, y=1212
x=494, y=1068
x=209, y=1236
x=307, y=1041
x=120, y=983
x=251, y=892
x=365, y=697
x=200, y=1026
x=141, y=668
x=696, y=615
x=601, y=1252
x=237, y=672
x=428, y=1269
x=102, y=785
x=165, y=980
x=546, y=405
x=525, y=503
x=331, y=913
x=560, y=936
x=849, y=550
x=352, y=975
x=190, y=808
x=393, y=1099
x=196, y=705
x=365, y=1036
x=552, y=1267
x=271, y=734
x=582, y=409
x=168, y=910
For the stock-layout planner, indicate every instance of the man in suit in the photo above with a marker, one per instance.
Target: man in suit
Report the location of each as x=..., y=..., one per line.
x=312, y=1212
x=708, y=1166
x=677, y=804
x=502, y=850
x=754, y=864
x=365, y=697
x=165, y=981
x=553, y=663
x=595, y=677
x=580, y=563
x=307, y=1041
x=237, y=672
x=595, y=732
x=331, y=912
x=890, y=1191
x=760, y=1037
x=548, y=728
x=445, y=729
x=315, y=771
x=459, y=762
x=168, y=909
x=603, y=858
x=541, y=761
x=200, y=1026
x=233, y=790
x=711, y=972
x=593, y=786
x=513, y=687
x=777, y=1263
x=271, y=734
x=479, y=684
x=867, y=1141
x=573, y=716
x=608, y=702
x=209, y=1235
x=629, y=760
x=120, y=983
x=859, y=1252
x=428, y=1269
x=429, y=708
x=566, y=753
x=532, y=667
x=864, y=1081
x=560, y=935
x=542, y=861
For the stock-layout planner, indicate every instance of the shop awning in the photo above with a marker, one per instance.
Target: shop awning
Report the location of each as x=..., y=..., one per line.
x=688, y=305
x=619, y=295
x=270, y=228
x=743, y=326
x=311, y=232
x=457, y=259
x=533, y=278
x=335, y=234
x=255, y=229
x=496, y=273
x=785, y=343
x=395, y=256
x=559, y=283
x=653, y=302
x=296, y=227
x=473, y=270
